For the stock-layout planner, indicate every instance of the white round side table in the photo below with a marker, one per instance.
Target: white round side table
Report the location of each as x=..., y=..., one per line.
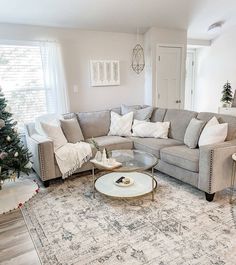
x=233, y=177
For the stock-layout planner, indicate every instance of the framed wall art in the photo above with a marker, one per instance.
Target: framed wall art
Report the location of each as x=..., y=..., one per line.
x=105, y=73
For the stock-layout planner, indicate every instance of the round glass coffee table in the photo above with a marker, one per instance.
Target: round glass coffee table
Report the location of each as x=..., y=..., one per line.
x=134, y=165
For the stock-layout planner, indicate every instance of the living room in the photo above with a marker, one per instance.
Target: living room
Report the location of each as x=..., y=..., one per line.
x=117, y=132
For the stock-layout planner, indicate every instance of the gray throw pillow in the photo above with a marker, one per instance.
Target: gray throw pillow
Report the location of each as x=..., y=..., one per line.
x=139, y=114
x=126, y=109
x=193, y=132
x=72, y=130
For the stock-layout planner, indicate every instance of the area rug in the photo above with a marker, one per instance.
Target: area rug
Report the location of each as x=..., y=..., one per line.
x=69, y=226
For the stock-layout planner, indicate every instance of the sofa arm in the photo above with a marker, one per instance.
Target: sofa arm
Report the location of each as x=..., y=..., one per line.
x=215, y=166
x=42, y=151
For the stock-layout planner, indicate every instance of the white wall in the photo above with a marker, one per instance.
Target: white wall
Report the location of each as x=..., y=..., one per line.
x=215, y=65
x=78, y=48
x=153, y=37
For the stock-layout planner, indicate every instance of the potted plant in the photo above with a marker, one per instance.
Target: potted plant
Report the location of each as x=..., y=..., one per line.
x=227, y=95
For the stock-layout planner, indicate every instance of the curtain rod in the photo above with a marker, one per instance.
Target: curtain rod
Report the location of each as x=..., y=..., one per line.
x=25, y=41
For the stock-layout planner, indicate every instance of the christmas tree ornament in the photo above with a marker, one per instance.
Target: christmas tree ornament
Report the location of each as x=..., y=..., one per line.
x=8, y=109
x=13, y=177
x=3, y=155
x=2, y=123
x=8, y=138
x=28, y=165
x=16, y=154
x=1, y=183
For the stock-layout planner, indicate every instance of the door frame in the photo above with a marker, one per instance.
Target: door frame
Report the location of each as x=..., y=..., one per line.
x=194, y=54
x=182, y=70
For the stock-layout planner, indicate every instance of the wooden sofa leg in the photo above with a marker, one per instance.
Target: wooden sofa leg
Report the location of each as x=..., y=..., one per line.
x=46, y=183
x=209, y=197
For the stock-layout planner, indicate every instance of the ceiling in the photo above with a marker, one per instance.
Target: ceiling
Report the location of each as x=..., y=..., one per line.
x=121, y=15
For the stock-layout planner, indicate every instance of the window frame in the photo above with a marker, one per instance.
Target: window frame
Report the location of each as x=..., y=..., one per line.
x=32, y=43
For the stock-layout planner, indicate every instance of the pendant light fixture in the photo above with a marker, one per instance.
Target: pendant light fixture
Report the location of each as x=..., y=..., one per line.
x=138, y=61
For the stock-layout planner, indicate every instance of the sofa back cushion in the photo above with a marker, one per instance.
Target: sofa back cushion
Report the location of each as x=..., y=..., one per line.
x=158, y=114
x=118, y=110
x=179, y=121
x=141, y=114
x=95, y=123
x=231, y=120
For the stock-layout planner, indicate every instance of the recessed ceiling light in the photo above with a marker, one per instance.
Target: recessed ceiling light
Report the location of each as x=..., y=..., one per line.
x=215, y=26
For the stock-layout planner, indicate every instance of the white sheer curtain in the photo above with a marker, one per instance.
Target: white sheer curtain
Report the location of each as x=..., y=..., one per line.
x=54, y=78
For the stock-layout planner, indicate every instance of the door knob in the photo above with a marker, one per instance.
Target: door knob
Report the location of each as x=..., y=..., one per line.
x=178, y=101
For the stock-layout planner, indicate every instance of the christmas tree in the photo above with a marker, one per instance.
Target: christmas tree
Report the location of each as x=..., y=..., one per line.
x=14, y=157
x=227, y=94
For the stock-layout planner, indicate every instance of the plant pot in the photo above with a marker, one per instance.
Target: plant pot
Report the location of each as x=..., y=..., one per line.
x=226, y=105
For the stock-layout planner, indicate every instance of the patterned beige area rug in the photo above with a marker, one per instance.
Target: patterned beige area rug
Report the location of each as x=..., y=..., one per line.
x=69, y=227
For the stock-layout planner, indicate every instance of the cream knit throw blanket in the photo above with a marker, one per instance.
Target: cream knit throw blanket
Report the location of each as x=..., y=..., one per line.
x=70, y=157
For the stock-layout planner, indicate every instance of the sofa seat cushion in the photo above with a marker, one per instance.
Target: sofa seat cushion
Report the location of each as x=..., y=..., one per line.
x=153, y=145
x=113, y=142
x=181, y=156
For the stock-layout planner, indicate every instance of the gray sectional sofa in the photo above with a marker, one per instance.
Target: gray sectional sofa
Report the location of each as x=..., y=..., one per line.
x=207, y=168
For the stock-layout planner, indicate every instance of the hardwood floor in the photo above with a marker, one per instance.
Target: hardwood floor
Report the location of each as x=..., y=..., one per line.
x=16, y=246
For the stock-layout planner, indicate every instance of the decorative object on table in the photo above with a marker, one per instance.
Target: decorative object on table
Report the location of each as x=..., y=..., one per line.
x=104, y=157
x=101, y=159
x=233, y=177
x=98, y=156
x=107, y=165
x=234, y=100
x=227, y=95
x=97, y=147
x=16, y=193
x=138, y=60
x=14, y=157
x=124, y=181
x=105, y=72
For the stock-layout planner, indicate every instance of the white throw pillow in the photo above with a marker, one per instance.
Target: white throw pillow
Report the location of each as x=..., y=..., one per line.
x=150, y=129
x=121, y=125
x=47, y=118
x=213, y=132
x=54, y=133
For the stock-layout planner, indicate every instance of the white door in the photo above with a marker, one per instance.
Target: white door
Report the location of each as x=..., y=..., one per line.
x=189, y=82
x=169, y=77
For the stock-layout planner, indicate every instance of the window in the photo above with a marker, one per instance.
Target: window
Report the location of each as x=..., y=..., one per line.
x=21, y=78
x=31, y=78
